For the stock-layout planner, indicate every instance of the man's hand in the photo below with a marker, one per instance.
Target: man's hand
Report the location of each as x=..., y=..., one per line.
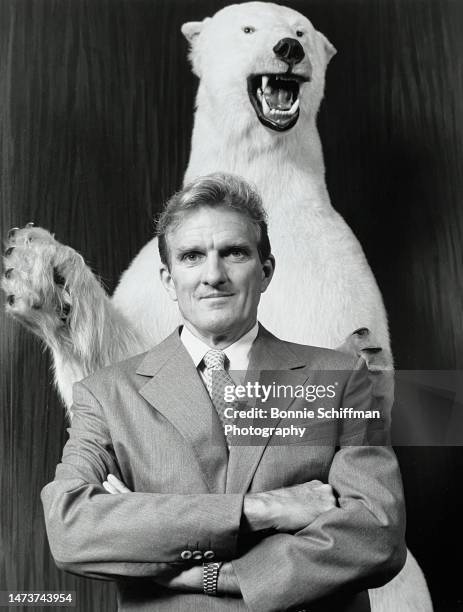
x=113, y=485
x=188, y=580
x=191, y=581
x=288, y=509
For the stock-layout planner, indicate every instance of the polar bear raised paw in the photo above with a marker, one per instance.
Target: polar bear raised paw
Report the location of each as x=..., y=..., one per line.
x=48, y=286
x=37, y=268
x=51, y=291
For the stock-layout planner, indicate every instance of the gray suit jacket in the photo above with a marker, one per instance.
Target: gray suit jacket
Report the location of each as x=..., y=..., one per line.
x=149, y=420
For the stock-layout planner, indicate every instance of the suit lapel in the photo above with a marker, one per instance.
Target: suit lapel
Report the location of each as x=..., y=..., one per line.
x=268, y=356
x=175, y=389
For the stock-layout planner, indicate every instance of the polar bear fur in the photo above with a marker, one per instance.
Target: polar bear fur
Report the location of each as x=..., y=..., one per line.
x=323, y=288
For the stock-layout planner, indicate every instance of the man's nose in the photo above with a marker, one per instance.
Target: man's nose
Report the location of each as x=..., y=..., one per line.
x=214, y=271
x=289, y=50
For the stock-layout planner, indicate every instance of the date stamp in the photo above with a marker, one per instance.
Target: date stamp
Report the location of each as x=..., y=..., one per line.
x=13, y=599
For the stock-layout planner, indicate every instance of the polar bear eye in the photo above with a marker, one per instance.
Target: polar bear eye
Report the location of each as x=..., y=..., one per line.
x=299, y=33
x=249, y=29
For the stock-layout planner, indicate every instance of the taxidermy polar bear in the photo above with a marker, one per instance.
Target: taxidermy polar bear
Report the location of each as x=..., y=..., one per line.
x=262, y=72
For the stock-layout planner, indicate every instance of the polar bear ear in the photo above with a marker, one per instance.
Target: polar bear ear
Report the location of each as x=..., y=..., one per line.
x=191, y=30
x=330, y=50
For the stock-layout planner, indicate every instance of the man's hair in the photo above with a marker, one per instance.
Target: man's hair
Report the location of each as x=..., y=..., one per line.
x=219, y=189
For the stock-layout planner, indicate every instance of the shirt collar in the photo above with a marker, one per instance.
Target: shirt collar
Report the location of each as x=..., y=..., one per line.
x=237, y=353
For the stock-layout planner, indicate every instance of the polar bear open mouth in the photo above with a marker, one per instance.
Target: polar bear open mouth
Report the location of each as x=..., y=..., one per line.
x=275, y=98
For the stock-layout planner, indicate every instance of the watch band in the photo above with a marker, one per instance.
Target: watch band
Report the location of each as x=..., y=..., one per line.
x=211, y=577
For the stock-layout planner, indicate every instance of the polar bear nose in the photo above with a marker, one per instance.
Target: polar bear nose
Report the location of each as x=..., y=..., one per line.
x=289, y=50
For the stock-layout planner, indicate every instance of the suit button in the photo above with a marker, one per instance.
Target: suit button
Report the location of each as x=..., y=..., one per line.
x=186, y=554
x=197, y=555
x=209, y=554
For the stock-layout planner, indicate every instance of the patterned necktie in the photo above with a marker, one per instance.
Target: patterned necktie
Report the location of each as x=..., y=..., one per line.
x=217, y=378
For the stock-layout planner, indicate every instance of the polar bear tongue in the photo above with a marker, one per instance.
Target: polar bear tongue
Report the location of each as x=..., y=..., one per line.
x=278, y=98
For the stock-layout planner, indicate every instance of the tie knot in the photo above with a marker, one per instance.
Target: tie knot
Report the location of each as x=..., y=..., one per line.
x=215, y=359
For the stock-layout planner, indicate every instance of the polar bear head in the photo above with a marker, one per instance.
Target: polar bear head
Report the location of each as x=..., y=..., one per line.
x=258, y=61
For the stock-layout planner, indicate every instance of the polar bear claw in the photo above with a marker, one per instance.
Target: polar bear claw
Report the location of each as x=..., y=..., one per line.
x=363, y=343
x=34, y=279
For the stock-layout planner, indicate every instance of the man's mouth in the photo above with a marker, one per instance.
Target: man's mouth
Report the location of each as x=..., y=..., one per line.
x=211, y=296
x=275, y=98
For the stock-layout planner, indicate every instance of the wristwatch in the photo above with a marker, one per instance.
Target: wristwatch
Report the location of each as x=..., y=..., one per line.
x=211, y=577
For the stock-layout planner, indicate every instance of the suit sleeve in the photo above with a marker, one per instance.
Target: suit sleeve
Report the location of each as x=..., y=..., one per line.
x=355, y=546
x=94, y=533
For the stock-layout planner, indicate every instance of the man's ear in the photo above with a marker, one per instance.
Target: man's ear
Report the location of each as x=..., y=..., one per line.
x=330, y=50
x=168, y=282
x=268, y=268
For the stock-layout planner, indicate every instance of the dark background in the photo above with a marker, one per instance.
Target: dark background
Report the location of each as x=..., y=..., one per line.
x=96, y=107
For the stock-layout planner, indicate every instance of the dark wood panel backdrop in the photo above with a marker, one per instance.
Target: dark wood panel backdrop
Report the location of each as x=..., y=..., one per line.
x=96, y=105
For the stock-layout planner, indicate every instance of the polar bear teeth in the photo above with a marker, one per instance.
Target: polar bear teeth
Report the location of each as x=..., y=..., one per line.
x=275, y=98
x=276, y=112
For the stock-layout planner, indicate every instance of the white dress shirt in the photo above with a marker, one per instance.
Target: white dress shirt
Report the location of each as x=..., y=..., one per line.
x=237, y=353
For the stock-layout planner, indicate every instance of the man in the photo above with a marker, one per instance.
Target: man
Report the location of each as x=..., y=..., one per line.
x=195, y=522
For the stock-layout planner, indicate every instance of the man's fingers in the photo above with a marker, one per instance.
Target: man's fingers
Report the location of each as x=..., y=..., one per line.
x=114, y=486
x=109, y=487
x=117, y=484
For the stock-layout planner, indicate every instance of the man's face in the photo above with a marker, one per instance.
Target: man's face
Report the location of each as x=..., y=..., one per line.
x=216, y=275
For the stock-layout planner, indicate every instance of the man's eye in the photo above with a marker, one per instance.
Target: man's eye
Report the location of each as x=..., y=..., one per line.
x=237, y=253
x=191, y=257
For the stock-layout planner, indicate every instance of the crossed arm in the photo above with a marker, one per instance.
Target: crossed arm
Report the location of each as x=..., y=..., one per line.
x=358, y=544
x=287, y=510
